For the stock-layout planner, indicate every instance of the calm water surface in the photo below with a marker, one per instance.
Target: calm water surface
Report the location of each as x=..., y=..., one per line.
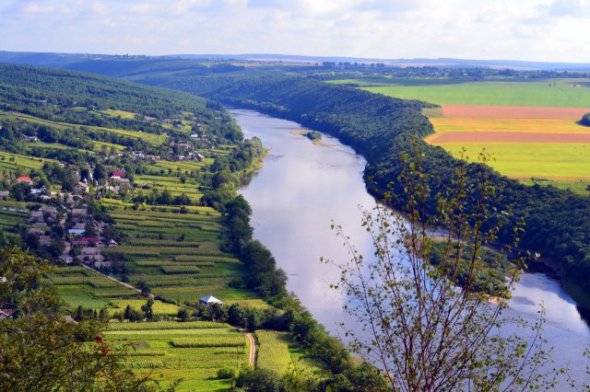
x=304, y=187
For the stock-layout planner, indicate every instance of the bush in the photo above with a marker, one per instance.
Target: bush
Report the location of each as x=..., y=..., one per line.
x=225, y=373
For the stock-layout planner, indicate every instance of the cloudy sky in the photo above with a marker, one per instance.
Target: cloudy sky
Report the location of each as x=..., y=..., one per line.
x=544, y=30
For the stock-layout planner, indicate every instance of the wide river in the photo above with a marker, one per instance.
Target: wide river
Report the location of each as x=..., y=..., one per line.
x=303, y=187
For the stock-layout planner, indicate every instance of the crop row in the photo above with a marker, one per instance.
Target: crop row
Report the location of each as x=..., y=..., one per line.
x=209, y=341
x=164, y=325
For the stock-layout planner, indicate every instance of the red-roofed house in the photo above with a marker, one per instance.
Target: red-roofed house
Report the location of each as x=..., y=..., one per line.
x=119, y=173
x=25, y=180
x=6, y=314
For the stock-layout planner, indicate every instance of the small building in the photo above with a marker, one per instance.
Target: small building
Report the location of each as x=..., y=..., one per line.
x=76, y=232
x=117, y=174
x=24, y=180
x=81, y=188
x=49, y=211
x=4, y=195
x=112, y=244
x=6, y=314
x=38, y=191
x=86, y=241
x=79, y=212
x=210, y=300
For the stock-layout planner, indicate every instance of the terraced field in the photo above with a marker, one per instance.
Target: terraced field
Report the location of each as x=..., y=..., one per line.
x=178, y=255
x=192, y=351
x=80, y=286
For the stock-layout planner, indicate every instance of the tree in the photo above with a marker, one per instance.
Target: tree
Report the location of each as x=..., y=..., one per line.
x=423, y=330
x=41, y=350
x=148, y=309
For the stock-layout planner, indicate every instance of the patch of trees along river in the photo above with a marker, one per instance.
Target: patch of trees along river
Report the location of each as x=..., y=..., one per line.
x=303, y=187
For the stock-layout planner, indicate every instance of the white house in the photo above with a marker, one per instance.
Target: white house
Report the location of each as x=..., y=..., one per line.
x=210, y=300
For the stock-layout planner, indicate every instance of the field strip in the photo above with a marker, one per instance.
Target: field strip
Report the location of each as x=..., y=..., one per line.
x=445, y=124
x=530, y=112
x=507, y=137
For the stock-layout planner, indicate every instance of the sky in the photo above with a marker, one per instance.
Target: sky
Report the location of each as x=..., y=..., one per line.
x=540, y=30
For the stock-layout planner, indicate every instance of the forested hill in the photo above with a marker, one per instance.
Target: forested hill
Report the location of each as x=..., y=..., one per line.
x=557, y=223
x=366, y=121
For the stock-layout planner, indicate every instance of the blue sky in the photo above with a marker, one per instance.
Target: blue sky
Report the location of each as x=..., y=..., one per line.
x=544, y=30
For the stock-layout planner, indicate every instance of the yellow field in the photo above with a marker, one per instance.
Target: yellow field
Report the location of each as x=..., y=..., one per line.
x=446, y=124
x=559, y=162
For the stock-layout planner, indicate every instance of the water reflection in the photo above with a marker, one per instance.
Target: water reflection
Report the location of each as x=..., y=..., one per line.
x=303, y=187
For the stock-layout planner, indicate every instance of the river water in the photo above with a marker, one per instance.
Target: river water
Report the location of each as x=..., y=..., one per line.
x=304, y=187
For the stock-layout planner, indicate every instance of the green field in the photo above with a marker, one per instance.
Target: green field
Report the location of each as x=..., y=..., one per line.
x=278, y=353
x=193, y=351
x=559, y=92
x=80, y=286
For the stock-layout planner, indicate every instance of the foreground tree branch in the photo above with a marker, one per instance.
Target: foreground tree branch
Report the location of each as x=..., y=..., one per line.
x=428, y=325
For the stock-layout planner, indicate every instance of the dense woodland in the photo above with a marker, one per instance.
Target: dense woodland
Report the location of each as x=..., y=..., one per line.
x=556, y=222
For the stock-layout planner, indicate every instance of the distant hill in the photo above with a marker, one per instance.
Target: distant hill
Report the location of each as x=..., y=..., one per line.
x=111, y=64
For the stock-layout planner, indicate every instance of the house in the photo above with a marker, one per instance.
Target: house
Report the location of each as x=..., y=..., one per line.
x=120, y=180
x=86, y=241
x=76, y=232
x=66, y=258
x=49, y=211
x=79, y=212
x=210, y=300
x=36, y=216
x=112, y=244
x=44, y=240
x=195, y=136
x=6, y=314
x=24, y=180
x=81, y=188
x=38, y=191
x=36, y=231
x=4, y=195
x=117, y=174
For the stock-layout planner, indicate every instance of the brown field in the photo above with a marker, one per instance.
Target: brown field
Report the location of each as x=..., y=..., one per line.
x=497, y=112
x=507, y=137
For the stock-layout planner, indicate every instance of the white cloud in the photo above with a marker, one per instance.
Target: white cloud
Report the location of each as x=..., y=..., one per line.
x=525, y=29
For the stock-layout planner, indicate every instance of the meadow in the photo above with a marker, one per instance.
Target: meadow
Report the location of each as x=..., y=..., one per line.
x=559, y=164
x=277, y=352
x=192, y=352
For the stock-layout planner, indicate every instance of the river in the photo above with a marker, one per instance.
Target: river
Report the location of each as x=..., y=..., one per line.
x=304, y=187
